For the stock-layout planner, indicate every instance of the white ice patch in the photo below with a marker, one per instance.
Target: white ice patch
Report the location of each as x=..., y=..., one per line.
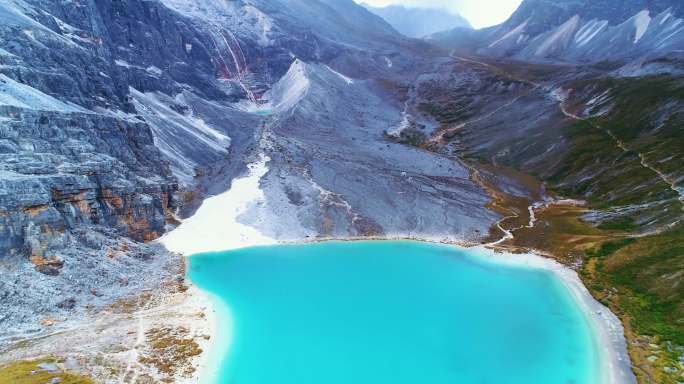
x=216, y=226
x=668, y=37
x=341, y=76
x=600, y=99
x=388, y=62
x=23, y=96
x=124, y=64
x=641, y=22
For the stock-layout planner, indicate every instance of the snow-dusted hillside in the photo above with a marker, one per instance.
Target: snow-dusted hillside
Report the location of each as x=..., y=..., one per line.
x=579, y=31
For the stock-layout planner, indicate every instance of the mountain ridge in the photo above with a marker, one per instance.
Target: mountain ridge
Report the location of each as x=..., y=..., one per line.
x=419, y=22
x=577, y=32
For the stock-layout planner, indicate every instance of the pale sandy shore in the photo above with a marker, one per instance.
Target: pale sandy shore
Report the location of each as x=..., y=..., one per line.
x=209, y=361
x=216, y=225
x=121, y=343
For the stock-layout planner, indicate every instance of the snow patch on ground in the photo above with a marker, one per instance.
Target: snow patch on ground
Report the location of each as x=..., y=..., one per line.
x=216, y=226
x=665, y=17
x=122, y=63
x=641, y=22
x=341, y=76
x=600, y=99
x=154, y=71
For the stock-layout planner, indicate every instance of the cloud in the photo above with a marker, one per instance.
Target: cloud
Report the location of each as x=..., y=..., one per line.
x=480, y=13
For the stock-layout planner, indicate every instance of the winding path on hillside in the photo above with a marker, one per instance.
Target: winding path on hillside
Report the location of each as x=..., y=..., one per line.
x=508, y=234
x=621, y=144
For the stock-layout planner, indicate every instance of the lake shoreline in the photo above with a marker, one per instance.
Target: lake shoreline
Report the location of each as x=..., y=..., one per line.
x=606, y=327
x=214, y=348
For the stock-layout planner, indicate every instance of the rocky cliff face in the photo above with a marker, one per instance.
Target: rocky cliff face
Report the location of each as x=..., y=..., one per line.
x=61, y=171
x=118, y=117
x=107, y=105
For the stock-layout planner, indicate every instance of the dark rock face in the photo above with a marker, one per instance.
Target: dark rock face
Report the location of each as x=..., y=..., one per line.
x=60, y=171
x=89, y=162
x=82, y=183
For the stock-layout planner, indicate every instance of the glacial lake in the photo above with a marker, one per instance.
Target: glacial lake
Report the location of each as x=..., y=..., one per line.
x=391, y=312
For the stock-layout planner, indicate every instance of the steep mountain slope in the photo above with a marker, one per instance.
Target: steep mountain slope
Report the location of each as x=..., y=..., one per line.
x=579, y=31
x=333, y=162
x=419, y=22
x=118, y=118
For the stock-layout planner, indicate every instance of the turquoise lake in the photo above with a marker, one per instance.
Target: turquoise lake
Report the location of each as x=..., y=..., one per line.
x=392, y=312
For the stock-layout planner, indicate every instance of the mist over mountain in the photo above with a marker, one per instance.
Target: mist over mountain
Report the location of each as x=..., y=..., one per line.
x=419, y=22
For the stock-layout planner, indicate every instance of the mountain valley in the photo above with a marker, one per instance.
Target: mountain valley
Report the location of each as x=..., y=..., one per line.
x=560, y=131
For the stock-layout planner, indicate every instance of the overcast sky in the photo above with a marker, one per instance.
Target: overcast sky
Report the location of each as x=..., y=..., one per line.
x=480, y=13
